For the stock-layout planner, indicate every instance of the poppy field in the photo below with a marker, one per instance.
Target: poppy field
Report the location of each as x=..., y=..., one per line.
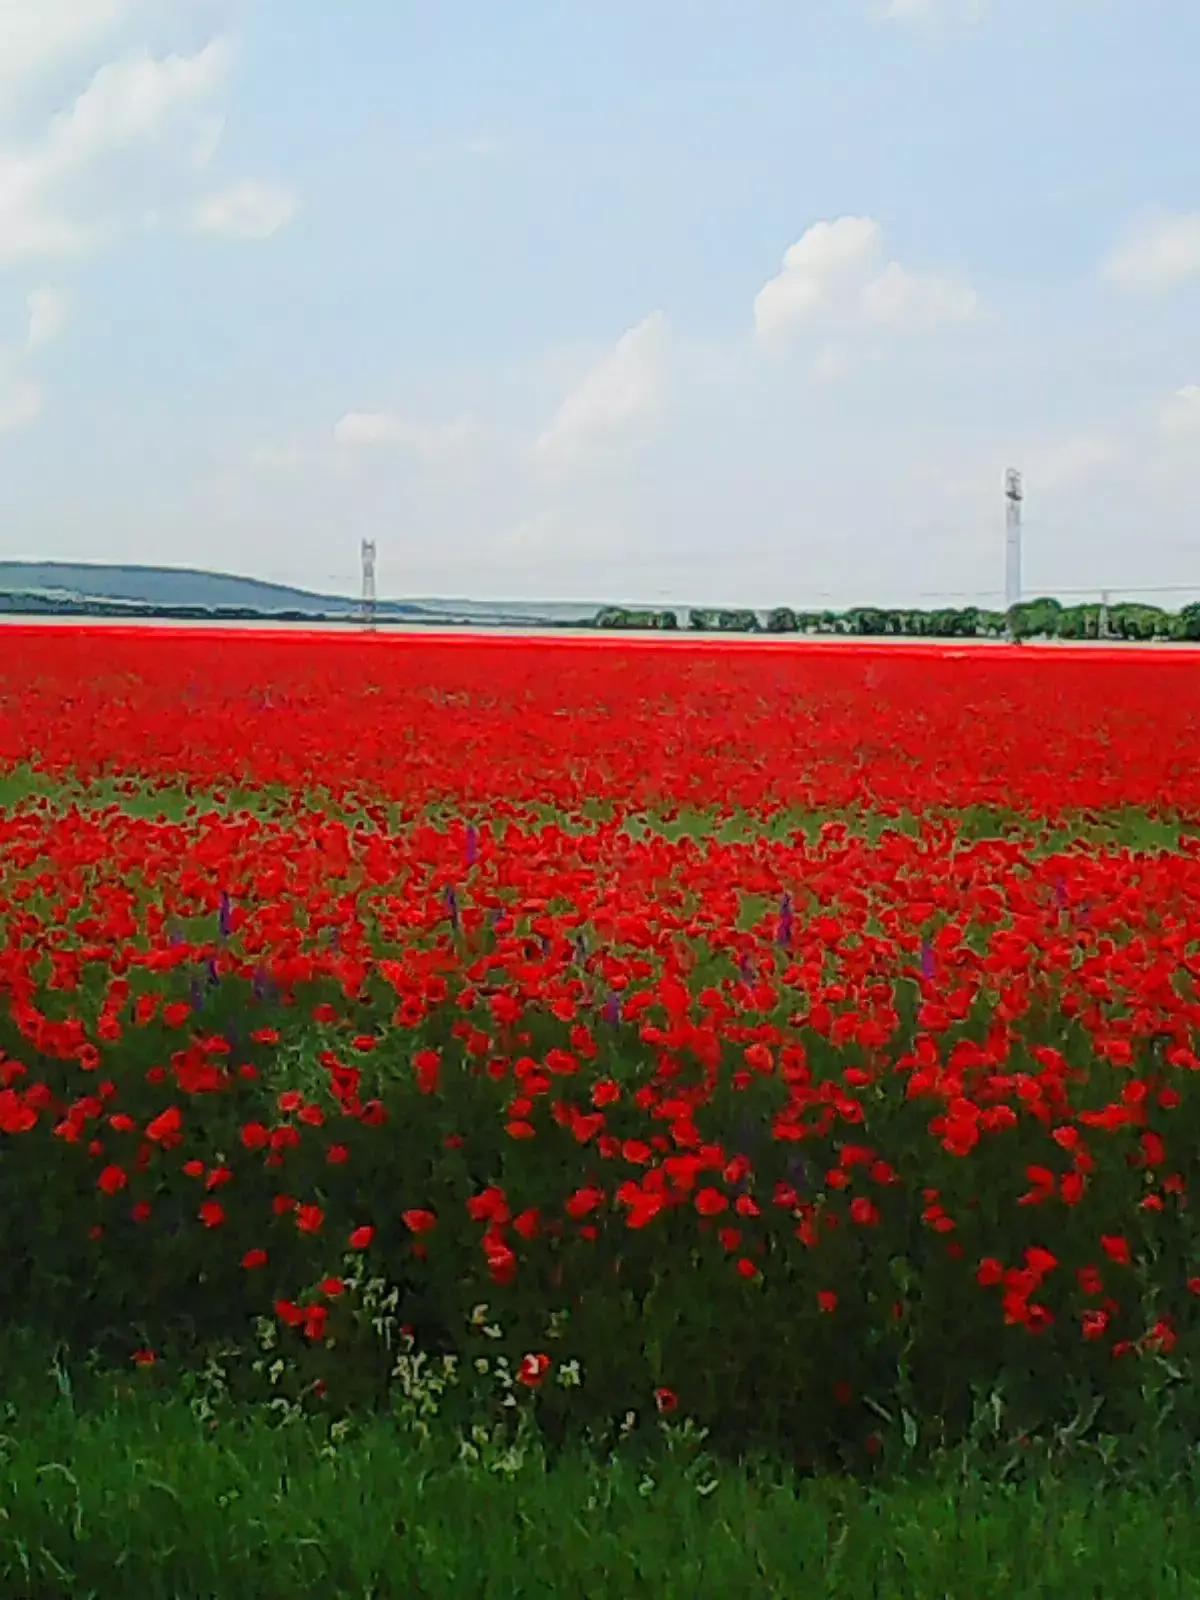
x=798, y=1039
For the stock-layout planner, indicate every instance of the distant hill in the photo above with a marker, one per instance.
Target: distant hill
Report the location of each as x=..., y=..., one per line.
x=41, y=586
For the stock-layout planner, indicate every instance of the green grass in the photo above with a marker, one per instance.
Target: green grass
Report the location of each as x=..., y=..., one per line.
x=127, y=1486
x=132, y=1491
x=1122, y=826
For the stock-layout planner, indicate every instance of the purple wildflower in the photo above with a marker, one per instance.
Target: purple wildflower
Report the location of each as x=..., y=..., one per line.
x=800, y=1174
x=787, y=922
x=262, y=987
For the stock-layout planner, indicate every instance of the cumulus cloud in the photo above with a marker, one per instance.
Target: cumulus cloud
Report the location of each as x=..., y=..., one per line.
x=127, y=103
x=836, y=272
x=614, y=402
x=35, y=35
x=121, y=149
x=131, y=99
x=1157, y=254
x=388, y=430
x=817, y=269
x=246, y=210
x=48, y=310
x=1181, y=414
x=904, y=299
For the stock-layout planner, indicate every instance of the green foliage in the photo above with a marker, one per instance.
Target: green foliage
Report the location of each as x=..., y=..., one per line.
x=1141, y=622
x=114, y=1486
x=1044, y=618
x=782, y=620
x=718, y=621
x=614, y=617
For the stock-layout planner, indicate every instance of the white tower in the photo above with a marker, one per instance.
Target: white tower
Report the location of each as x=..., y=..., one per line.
x=1014, y=494
x=368, y=582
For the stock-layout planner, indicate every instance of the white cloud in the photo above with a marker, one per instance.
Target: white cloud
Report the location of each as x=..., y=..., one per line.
x=387, y=429
x=206, y=140
x=1157, y=254
x=815, y=269
x=616, y=399
x=904, y=299
x=127, y=103
x=836, y=272
x=21, y=401
x=931, y=13
x=1181, y=414
x=21, y=397
x=28, y=226
x=48, y=310
x=37, y=34
x=131, y=100
x=246, y=211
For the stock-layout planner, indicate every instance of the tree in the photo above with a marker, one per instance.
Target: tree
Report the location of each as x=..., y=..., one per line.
x=782, y=620
x=1035, y=619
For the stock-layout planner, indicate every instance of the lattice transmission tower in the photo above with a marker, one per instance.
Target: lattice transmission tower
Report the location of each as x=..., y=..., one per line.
x=368, y=583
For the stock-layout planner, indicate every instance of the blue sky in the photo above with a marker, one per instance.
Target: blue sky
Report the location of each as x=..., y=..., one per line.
x=743, y=301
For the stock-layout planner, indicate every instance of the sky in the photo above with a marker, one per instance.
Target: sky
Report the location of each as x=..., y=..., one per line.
x=742, y=301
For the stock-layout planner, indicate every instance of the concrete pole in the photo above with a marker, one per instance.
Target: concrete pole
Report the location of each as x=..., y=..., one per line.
x=368, y=583
x=1014, y=494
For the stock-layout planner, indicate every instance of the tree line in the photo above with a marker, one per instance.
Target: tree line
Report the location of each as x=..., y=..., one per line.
x=1034, y=619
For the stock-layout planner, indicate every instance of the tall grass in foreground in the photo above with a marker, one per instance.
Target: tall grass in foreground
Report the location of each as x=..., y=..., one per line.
x=127, y=1492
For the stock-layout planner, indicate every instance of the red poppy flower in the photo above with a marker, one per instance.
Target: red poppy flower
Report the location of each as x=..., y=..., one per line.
x=533, y=1370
